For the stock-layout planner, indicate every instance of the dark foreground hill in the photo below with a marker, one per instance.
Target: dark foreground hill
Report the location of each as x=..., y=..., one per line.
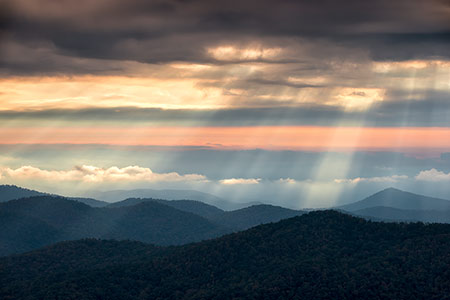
x=320, y=255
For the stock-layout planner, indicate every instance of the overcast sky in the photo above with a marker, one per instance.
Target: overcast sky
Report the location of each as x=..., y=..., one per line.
x=300, y=103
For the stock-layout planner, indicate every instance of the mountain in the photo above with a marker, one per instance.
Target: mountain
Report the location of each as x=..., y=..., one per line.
x=11, y=192
x=89, y=201
x=43, y=220
x=319, y=255
x=160, y=224
x=399, y=199
x=254, y=215
x=21, y=233
x=239, y=219
x=29, y=223
x=195, y=207
x=391, y=214
x=119, y=195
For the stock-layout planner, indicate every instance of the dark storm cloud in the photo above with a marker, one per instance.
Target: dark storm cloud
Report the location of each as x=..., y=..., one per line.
x=164, y=31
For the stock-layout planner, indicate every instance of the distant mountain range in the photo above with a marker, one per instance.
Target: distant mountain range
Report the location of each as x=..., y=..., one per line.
x=12, y=192
x=320, y=255
x=192, y=206
x=30, y=223
x=396, y=205
x=59, y=219
x=399, y=199
x=42, y=219
x=119, y=195
x=407, y=215
x=237, y=219
x=248, y=217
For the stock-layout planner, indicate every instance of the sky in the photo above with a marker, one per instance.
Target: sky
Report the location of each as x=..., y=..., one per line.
x=295, y=103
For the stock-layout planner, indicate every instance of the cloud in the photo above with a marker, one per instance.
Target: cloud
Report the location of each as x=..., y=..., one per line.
x=218, y=32
x=430, y=110
x=316, y=56
x=239, y=181
x=382, y=179
x=287, y=180
x=433, y=175
x=92, y=174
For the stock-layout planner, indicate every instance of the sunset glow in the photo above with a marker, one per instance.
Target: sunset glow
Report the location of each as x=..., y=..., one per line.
x=304, y=138
x=312, y=101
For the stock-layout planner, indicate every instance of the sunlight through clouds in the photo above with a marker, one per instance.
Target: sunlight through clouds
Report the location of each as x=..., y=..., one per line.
x=264, y=85
x=231, y=53
x=358, y=98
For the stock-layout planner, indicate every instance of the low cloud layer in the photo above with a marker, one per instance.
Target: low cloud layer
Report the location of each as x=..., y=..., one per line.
x=433, y=175
x=295, y=193
x=384, y=179
x=92, y=174
x=234, y=181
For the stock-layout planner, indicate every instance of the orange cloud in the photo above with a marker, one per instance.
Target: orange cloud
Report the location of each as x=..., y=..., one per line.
x=32, y=93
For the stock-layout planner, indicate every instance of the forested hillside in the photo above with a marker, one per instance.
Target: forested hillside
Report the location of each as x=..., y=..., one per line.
x=320, y=255
x=30, y=223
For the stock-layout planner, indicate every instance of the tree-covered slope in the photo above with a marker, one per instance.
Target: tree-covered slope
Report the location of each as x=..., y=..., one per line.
x=320, y=255
x=19, y=233
x=89, y=201
x=192, y=206
x=29, y=223
x=254, y=215
x=11, y=192
x=239, y=219
x=33, y=222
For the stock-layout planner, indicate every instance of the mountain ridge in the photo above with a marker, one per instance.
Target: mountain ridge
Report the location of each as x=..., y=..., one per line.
x=167, y=194
x=193, y=206
x=319, y=255
x=150, y=222
x=14, y=192
x=160, y=222
x=399, y=199
x=405, y=215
